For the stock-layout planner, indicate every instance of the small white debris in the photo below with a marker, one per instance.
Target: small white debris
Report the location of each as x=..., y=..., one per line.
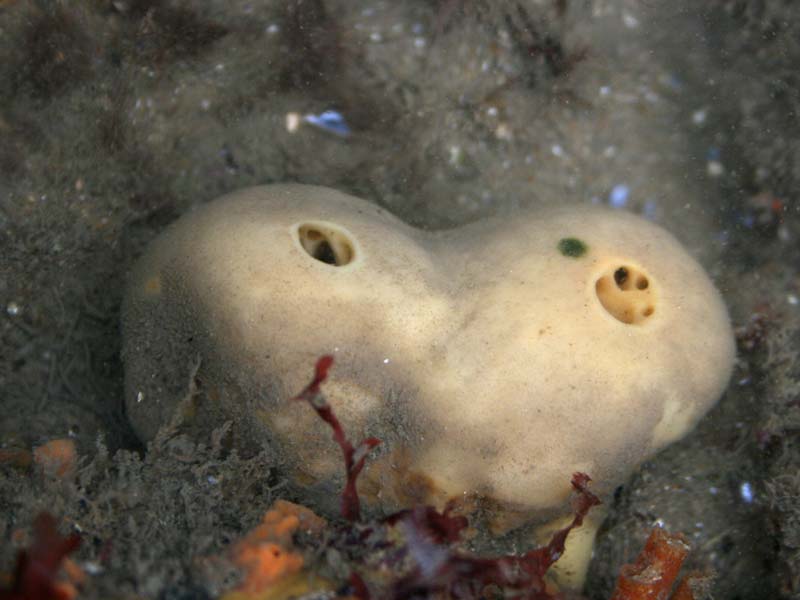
x=293, y=121
x=455, y=155
x=139, y=397
x=792, y=299
x=503, y=132
x=386, y=361
x=557, y=150
x=13, y=309
x=629, y=20
x=699, y=116
x=92, y=568
x=715, y=168
x=272, y=28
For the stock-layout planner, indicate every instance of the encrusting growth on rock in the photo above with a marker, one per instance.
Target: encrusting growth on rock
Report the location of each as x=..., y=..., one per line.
x=656, y=570
x=273, y=568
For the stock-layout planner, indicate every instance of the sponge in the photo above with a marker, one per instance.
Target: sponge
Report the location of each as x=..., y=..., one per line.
x=493, y=360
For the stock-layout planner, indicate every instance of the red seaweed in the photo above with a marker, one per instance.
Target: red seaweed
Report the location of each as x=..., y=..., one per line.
x=463, y=576
x=429, y=534
x=37, y=568
x=360, y=589
x=354, y=457
x=438, y=526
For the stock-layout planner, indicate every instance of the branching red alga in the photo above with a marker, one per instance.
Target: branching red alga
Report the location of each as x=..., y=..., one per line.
x=37, y=570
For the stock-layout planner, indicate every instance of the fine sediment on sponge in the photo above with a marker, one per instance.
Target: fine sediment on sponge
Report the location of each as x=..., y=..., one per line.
x=493, y=360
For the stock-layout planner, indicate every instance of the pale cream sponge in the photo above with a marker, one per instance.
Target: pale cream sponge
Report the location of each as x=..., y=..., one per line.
x=493, y=360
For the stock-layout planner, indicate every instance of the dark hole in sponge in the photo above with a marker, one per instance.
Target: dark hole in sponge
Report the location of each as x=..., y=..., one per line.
x=621, y=276
x=324, y=252
x=326, y=243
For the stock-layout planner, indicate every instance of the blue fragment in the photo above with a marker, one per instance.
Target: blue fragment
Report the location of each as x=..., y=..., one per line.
x=619, y=195
x=675, y=82
x=330, y=121
x=746, y=492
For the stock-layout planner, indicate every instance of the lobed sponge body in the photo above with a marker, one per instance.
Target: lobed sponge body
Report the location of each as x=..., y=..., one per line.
x=493, y=360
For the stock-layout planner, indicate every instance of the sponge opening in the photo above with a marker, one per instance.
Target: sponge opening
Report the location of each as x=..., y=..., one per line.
x=625, y=292
x=326, y=244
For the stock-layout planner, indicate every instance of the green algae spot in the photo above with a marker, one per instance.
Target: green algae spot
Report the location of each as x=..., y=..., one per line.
x=572, y=247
